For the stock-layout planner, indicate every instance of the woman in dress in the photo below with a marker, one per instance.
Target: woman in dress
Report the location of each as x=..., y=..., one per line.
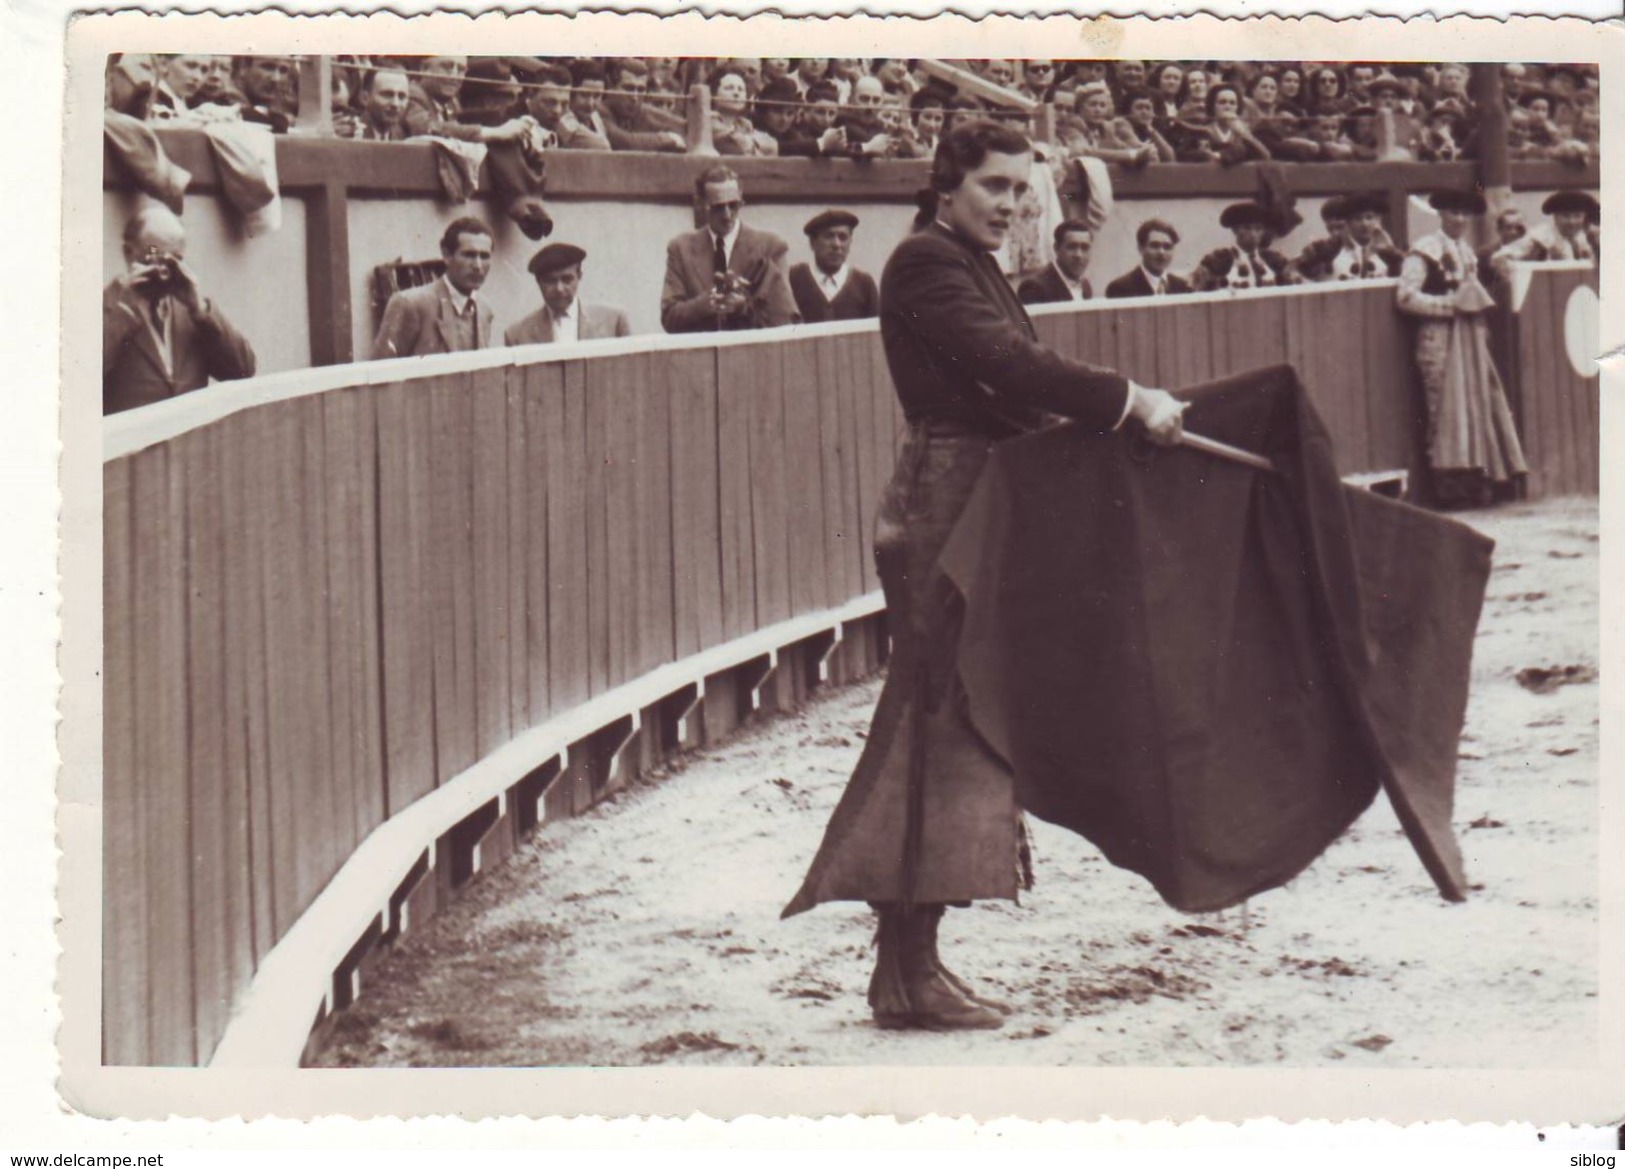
x=911, y=837
x=1222, y=137
x=1472, y=443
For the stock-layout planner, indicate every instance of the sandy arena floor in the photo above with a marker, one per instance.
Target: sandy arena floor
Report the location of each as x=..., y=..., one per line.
x=647, y=932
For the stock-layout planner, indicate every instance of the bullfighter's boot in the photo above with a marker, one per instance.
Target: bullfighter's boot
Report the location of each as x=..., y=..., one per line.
x=908, y=990
x=952, y=979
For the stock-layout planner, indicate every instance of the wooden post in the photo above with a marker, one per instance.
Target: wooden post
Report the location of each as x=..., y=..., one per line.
x=1494, y=159
x=315, y=95
x=1044, y=122
x=699, y=122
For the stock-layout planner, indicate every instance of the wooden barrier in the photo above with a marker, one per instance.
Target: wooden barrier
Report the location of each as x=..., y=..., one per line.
x=1548, y=348
x=413, y=608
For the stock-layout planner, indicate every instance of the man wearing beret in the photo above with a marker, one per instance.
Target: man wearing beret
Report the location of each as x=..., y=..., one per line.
x=564, y=317
x=830, y=289
x=1570, y=234
x=1247, y=263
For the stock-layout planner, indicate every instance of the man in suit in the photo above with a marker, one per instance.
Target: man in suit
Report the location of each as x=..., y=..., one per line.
x=1063, y=280
x=160, y=335
x=435, y=107
x=831, y=289
x=725, y=275
x=564, y=317
x=632, y=124
x=1156, y=239
x=447, y=314
x=385, y=94
x=547, y=101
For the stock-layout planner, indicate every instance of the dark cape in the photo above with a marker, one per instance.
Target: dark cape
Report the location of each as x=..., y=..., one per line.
x=1206, y=670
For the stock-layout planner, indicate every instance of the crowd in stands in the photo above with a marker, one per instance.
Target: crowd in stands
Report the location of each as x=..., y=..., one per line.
x=1130, y=113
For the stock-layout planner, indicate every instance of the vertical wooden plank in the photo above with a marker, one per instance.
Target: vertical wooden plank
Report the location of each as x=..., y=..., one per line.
x=213, y=918
x=696, y=523
x=600, y=608
x=337, y=475
x=1566, y=384
x=159, y=590
x=1588, y=392
x=1134, y=332
x=856, y=424
x=370, y=792
x=323, y=816
x=451, y=572
x=540, y=389
x=1534, y=350
x=657, y=639
x=565, y=435
x=403, y=440
x=612, y=386
x=249, y=673
x=126, y=975
x=760, y=368
x=527, y=521
x=488, y=392
x=842, y=570
x=734, y=491
x=804, y=485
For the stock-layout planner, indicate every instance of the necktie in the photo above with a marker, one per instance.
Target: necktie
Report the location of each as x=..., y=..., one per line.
x=159, y=317
x=473, y=314
x=1159, y=287
x=719, y=256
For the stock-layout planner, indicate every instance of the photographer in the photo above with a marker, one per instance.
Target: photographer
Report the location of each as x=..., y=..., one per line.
x=160, y=335
x=725, y=275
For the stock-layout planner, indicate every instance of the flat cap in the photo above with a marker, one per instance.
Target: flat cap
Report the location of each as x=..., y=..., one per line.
x=555, y=256
x=825, y=220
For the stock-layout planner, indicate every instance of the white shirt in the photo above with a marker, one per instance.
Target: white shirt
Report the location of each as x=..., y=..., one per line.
x=1074, y=287
x=728, y=240
x=830, y=284
x=566, y=325
x=459, y=301
x=1159, y=284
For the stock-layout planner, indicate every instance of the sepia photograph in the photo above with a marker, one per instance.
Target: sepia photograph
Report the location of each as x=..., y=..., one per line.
x=823, y=566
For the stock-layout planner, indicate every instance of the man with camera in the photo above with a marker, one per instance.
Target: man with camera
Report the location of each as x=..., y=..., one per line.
x=160, y=335
x=725, y=275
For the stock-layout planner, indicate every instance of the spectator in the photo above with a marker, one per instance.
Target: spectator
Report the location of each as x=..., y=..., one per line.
x=1222, y=137
x=778, y=109
x=563, y=317
x=1127, y=76
x=1248, y=263
x=929, y=110
x=630, y=122
x=1509, y=226
x=434, y=105
x=446, y=315
x=725, y=275
x=587, y=85
x=270, y=89
x=833, y=290
x=895, y=77
x=384, y=97
x=1453, y=84
x=809, y=72
x=819, y=117
x=160, y=335
x=179, y=76
x=776, y=69
x=748, y=68
x=1038, y=80
x=490, y=90
x=1390, y=98
x=1367, y=253
x=1327, y=94
x=1001, y=72
x=547, y=101
x=218, y=87
x=732, y=132
x=1443, y=136
x=1360, y=77
x=1139, y=108
x=1063, y=280
x=1170, y=84
x=1362, y=133
x=1193, y=97
x=1571, y=234
x=896, y=125
x=132, y=79
x=346, y=121
x=1289, y=82
x=1089, y=72
x=1093, y=133
x=1156, y=239
x=844, y=73
x=864, y=134
x=961, y=109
